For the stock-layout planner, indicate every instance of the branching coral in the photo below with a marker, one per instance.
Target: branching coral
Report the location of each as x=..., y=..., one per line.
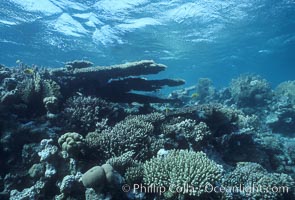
x=127, y=135
x=122, y=162
x=248, y=176
x=190, y=130
x=31, y=90
x=180, y=168
x=82, y=113
x=134, y=174
x=154, y=117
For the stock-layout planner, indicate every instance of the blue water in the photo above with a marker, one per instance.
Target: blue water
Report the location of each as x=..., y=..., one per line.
x=219, y=39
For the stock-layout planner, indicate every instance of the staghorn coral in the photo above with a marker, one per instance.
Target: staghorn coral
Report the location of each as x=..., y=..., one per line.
x=26, y=88
x=248, y=175
x=179, y=168
x=250, y=91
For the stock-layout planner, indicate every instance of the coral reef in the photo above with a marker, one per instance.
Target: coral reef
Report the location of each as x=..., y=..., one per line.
x=84, y=132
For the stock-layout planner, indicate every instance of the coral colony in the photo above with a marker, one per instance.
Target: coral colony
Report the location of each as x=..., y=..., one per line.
x=101, y=132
